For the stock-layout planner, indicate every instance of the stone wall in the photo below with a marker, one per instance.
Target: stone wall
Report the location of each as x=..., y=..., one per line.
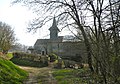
x=67, y=49
x=63, y=49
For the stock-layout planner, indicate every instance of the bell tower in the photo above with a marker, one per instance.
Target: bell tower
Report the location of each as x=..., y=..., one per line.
x=54, y=30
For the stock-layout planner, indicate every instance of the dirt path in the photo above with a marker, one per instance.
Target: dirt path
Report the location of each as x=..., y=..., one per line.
x=39, y=75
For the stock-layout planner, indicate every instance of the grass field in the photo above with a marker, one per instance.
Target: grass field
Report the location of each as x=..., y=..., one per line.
x=10, y=73
x=71, y=76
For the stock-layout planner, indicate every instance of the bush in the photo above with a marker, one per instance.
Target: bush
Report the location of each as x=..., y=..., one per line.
x=9, y=55
x=53, y=57
x=59, y=64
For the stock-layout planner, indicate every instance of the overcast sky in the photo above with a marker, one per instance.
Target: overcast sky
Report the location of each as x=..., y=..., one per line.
x=18, y=17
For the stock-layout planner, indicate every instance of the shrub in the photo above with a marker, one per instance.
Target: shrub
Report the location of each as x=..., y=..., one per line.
x=59, y=64
x=53, y=57
x=9, y=55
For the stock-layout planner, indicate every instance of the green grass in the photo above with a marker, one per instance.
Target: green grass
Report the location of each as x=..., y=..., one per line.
x=10, y=73
x=71, y=76
x=9, y=55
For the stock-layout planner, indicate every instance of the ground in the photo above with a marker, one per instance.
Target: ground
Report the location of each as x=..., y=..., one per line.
x=39, y=75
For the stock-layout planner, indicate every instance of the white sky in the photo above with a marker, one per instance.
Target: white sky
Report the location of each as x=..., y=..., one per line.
x=18, y=18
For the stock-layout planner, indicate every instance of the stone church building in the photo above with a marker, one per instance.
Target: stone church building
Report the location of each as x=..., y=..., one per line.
x=57, y=45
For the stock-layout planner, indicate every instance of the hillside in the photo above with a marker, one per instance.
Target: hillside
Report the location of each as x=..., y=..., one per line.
x=10, y=73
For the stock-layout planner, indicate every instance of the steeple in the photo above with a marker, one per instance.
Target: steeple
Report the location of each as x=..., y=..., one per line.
x=54, y=30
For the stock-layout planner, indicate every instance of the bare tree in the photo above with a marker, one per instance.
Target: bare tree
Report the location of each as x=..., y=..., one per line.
x=105, y=37
x=7, y=37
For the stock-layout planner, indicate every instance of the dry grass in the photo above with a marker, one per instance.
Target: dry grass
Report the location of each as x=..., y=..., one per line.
x=39, y=75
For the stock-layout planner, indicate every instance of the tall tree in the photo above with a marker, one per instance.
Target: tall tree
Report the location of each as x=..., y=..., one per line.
x=105, y=37
x=7, y=37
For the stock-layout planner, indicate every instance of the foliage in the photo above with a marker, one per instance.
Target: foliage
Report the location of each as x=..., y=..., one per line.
x=57, y=61
x=53, y=57
x=59, y=64
x=7, y=37
x=9, y=55
x=10, y=73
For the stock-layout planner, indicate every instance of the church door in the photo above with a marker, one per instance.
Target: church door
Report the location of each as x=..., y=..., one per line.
x=43, y=53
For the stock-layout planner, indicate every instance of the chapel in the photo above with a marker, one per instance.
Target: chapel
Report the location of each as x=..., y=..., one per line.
x=57, y=45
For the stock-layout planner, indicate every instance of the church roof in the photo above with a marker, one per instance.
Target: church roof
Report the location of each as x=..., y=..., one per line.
x=42, y=41
x=45, y=41
x=54, y=25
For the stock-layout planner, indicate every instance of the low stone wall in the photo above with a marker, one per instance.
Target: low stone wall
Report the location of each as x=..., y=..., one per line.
x=30, y=59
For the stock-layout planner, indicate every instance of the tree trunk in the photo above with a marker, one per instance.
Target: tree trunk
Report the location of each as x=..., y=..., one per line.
x=88, y=48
